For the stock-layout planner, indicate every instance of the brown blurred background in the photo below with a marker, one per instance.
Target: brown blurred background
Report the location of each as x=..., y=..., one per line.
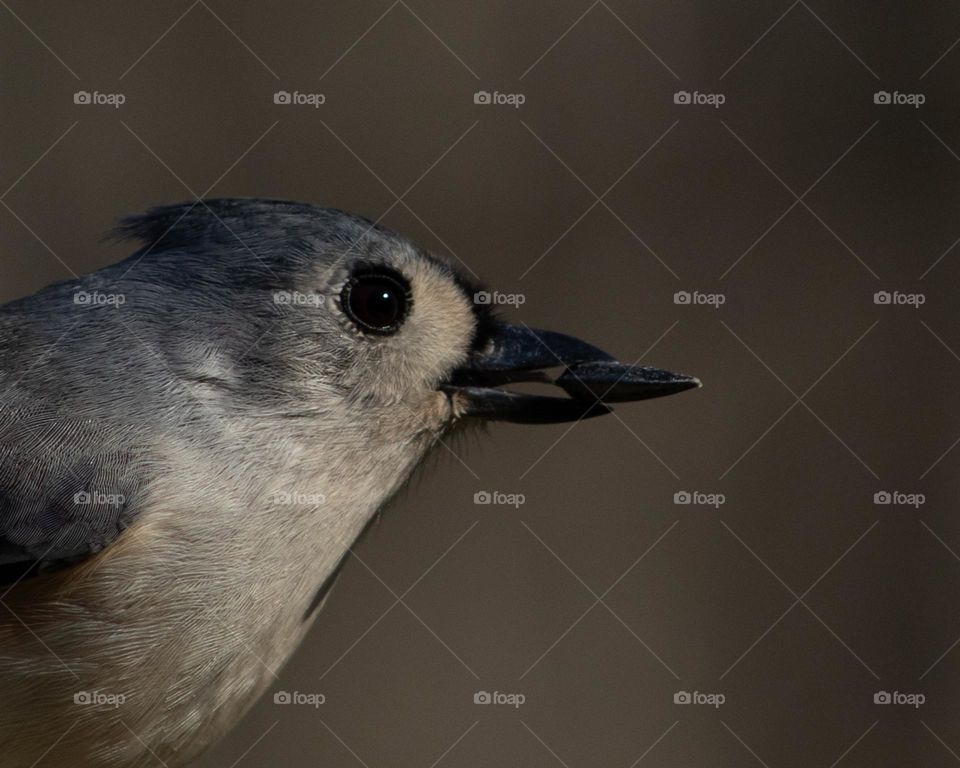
x=704, y=198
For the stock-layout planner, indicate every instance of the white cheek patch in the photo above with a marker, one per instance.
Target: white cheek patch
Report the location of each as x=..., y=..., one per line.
x=441, y=323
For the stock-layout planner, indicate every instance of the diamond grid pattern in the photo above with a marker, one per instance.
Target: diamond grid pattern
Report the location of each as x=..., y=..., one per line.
x=796, y=200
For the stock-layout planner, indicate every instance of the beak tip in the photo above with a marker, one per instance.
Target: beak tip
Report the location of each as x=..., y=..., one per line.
x=611, y=382
x=681, y=383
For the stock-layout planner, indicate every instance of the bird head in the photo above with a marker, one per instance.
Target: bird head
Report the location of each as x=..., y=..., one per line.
x=323, y=312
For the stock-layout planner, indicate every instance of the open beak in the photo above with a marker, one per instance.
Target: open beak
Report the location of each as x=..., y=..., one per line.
x=590, y=377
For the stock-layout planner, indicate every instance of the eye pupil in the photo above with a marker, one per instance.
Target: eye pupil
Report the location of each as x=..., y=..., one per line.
x=377, y=301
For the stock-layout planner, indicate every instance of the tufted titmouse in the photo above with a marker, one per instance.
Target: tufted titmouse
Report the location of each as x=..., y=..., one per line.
x=191, y=440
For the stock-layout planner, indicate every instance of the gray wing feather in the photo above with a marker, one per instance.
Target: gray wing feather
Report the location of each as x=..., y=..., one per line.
x=68, y=487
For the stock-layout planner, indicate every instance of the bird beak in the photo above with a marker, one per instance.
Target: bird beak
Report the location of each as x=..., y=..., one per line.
x=590, y=377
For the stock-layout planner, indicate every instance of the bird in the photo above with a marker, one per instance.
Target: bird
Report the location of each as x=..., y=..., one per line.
x=193, y=438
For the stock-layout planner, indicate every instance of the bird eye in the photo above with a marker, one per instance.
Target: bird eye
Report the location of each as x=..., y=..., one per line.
x=377, y=301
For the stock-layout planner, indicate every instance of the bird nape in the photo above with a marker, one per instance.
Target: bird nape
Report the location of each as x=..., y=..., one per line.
x=192, y=439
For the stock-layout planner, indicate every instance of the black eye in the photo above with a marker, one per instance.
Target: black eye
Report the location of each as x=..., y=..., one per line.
x=377, y=301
